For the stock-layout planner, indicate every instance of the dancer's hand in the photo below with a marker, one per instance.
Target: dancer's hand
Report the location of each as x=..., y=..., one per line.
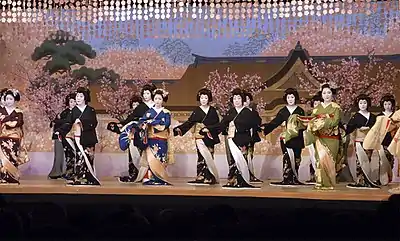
x=78, y=121
x=206, y=130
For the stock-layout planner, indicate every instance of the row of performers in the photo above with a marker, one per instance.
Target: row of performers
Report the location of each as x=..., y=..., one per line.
x=145, y=133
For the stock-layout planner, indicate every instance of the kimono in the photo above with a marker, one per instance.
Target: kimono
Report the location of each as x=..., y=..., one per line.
x=12, y=149
x=255, y=137
x=312, y=166
x=360, y=125
x=129, y=139
x=81, y=137
x=69, y=153
x=236, y=125
x=291, y=149
x=155, y=125
x=386, y=162
x=207, y=172
x=322, y=130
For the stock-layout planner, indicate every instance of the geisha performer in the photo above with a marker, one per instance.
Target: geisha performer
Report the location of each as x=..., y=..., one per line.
x=129, y=134
x=81, y=123
x=323, y=132
x=155, y=124
x=254, y=136
x=67, y=142
x=315, y=101
x=291, y=149
x=360, y=124
x=12, y=149
x=202, y=117
x=236, y=125
x=386, y=163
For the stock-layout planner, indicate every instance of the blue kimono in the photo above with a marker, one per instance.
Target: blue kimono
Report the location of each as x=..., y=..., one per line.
x=155, y=138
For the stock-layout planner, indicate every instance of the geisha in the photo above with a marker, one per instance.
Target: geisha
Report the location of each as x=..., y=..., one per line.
x=314, y=102
x=129, y=134
x=236, y=125
x=360, y=124
x=386, y=163
x=155, y=124
x=202, y=117
x=12, y=149
x=291, y=149
x=80, y=127
x=254, y=136
x=67, y=142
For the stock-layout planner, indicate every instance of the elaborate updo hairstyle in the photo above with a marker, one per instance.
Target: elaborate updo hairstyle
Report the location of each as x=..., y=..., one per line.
x=386, y=98
x=363, y=97
x=327, y=86
x=161, y=92
x=150, y=87
x=239, y=92
x=14, y=93
x=248, y=94
x=134, y=99
x=204, y=91
x=69, y=97
x=317, y=97
x=291, y=91
x=85, y=92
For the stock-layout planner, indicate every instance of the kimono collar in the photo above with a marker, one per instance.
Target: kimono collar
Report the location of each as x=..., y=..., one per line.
x=82, y=109
x=291, y=109
x=205, y=109
x=387, y=113
x=365, y=114
x=238, y=110
x=158, y=110
x=150, y=104
x=9, y=110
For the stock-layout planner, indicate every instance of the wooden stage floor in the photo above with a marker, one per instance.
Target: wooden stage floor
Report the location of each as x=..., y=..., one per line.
x=110, y=186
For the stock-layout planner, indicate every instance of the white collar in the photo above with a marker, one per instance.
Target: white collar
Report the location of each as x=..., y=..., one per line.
x=366, y=115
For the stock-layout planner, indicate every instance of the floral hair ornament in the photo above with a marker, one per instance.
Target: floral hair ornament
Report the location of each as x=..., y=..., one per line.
x=164, y=92
x=15, y=92
x=330, y=83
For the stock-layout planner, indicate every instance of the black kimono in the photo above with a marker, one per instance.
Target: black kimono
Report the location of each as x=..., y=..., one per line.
x=363, y=157
x=390, y=159
x=138, y=112
x=255, y=137
x=237, y=127
x=294, y=146
x=84, y=140
x=207, y=173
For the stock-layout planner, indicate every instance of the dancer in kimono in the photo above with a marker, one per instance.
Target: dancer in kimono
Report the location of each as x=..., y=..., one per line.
x=81, y=123
x=254, y=136
x=291, y=149
x=386, y=163
x=202, y=117
x=360, y=124
x=315, y=101
x=236, y=125
x=12, y=149
x=61, y=150
x=129, y=134
x=68, y=141
x=323, y=132
x=155, y=136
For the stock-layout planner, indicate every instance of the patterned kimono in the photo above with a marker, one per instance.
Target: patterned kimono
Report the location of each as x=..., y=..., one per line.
x=82, y=138
x=129, y=140
x=69, y=152
x=207, y=172
x=362, y=174
x=12, y=149
x=323, y=132
x=236, y=125
x=386, y=162
x=291, y=148
x=156, y=123
x=255, y=137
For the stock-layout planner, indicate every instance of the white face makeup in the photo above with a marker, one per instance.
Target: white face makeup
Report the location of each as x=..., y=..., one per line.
x=327, y=95
x=237, y=101
x=204, y=100
x=80, y=99
x=146, y=96
x=387, y=106
x=158, y=101
x=72, y=103
x=362, y=105
x=9, y=101
x=290, y=100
